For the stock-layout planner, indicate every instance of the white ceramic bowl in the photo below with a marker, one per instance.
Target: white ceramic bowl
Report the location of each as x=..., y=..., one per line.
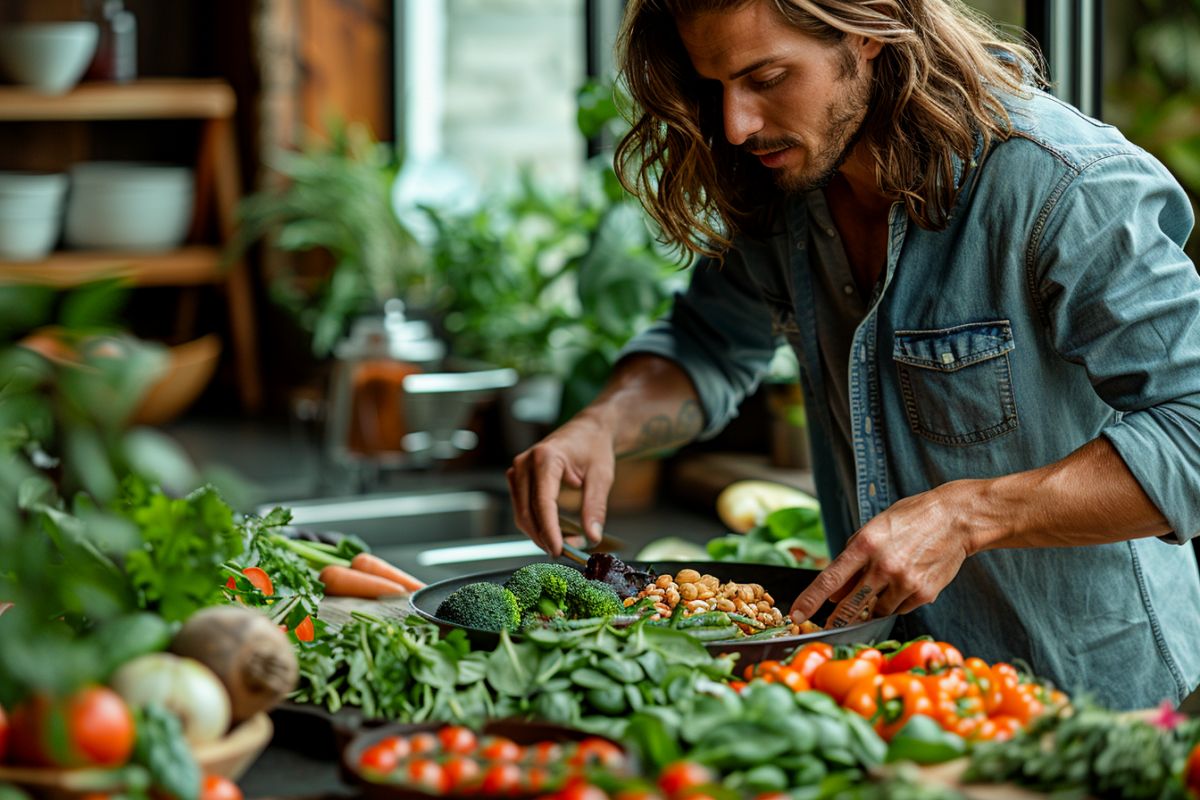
x=31, y=213
x=48, y=57
x=129, y=206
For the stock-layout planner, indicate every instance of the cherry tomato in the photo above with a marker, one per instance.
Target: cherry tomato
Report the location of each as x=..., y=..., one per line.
x=1006, y=727
x=427, y=775
x=811, y=656
x=217, y=787
x=499, y=748
x=461, y=773
x=423, y=743
x=544, y=753
x=536, y=779
x=600, y=752
x=501, y=778
x=678, y=777
x=306, y=631
x=977, y=667
x=580, y=790
x=457, y=739
x=837, y=678
x=917, y=655
x=1191, y=773
x=398, y=745
x=379, y=757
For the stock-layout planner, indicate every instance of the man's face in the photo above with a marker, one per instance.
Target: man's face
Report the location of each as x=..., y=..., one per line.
x=793, y=101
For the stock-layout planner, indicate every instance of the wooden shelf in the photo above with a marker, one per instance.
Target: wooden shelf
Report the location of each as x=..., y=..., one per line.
x=164, y=98
x=187, y=266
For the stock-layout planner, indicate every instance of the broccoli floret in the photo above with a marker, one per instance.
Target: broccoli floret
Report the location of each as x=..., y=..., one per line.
x=533, y=582
x=486, y=606
x=593, y=599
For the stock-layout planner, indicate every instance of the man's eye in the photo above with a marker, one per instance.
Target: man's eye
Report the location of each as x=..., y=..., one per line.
x=771, y=81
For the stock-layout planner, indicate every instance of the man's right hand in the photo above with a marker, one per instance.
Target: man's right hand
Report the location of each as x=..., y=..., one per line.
x=579, y=454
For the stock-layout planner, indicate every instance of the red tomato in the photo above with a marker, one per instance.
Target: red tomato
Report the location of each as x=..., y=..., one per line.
x=917, y=655
x=461, y=773
x=379, y=757
x=398, y=745
x=427, y=775
x=217, y=787
x=904, y=697
x=597, y=751
x=1020, y=702
x=580, y=790
x=3, y=735
x=865, y=654
x=423, y=743
x=1191, y=773
x=99, y=730
x=544, y=753
x=536, y=779
x=499, y=748
x=837, y=678
x=792, y=679
x=811, y=656
x=501, y=779
x=306, y=631
x=258, y=579
x=457, y=739
x=680, y=776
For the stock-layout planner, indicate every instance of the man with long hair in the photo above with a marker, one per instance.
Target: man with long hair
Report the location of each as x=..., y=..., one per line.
x=997, y=327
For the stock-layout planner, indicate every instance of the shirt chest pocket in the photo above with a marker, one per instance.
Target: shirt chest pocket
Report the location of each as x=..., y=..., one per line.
x=957, y=382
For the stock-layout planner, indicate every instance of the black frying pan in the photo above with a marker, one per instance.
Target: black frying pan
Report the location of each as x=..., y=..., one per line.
x=783, y=584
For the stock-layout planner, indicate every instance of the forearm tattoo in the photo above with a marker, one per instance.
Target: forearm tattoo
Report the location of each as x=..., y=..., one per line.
x=662, y=433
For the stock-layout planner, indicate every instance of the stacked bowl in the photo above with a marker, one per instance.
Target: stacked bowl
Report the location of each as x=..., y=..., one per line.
x=31, y=213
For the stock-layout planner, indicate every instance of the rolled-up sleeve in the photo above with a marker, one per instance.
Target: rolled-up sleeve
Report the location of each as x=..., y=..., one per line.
x=1122, y=299
x=719, y=332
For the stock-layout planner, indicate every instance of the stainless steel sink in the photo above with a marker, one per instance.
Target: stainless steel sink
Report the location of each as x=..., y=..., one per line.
x=405, y=518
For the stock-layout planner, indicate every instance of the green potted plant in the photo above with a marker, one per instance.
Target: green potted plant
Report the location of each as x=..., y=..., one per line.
x=333, y=199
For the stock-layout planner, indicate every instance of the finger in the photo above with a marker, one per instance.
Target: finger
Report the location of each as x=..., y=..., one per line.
x=890, y=601
x=595, y=502
x=519, y=491
x=574, y=541
x=840, y=594
x=857, y=606
x=838, y=574
x=544, y=504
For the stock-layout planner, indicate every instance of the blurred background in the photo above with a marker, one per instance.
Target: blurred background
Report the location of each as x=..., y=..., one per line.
x=376, y=248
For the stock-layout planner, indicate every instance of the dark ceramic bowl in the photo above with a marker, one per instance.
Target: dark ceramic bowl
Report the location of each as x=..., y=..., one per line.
x=783, y=583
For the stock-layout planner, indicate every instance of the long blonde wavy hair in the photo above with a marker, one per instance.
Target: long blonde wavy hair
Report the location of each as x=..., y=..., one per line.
x=934, y=91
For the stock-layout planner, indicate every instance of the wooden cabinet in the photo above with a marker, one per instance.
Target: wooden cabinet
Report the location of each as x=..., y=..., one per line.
x=212, y=104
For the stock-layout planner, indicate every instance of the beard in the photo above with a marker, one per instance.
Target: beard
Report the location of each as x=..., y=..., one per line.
x=843, y=130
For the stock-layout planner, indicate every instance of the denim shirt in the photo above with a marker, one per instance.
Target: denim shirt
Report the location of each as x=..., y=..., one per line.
x=1057, y=307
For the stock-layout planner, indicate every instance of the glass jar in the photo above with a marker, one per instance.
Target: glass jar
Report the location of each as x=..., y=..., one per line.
x=116, y=47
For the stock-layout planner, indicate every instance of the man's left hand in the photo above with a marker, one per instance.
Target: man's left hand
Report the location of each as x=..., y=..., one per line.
x=901, y=559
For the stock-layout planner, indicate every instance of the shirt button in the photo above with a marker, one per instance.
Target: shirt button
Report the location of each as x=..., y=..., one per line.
x=871, y=489
x=848, y=289
x=867, y=425
x=830, y=232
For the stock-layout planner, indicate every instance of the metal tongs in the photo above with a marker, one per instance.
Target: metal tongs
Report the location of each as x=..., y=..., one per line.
x=572, y=526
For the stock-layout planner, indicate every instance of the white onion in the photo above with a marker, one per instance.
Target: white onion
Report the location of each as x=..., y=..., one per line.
x=183, y=686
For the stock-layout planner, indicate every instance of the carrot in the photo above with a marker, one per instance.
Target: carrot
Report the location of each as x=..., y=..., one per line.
x=346, y=582
x=374, y=565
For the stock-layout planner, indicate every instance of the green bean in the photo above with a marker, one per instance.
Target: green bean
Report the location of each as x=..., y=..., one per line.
x=707, y=619
x=753, y=623
x=769, y=633
x=715, y=634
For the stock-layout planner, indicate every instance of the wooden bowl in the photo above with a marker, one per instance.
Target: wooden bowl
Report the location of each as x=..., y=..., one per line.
x=229, y=757
x=188, y=372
